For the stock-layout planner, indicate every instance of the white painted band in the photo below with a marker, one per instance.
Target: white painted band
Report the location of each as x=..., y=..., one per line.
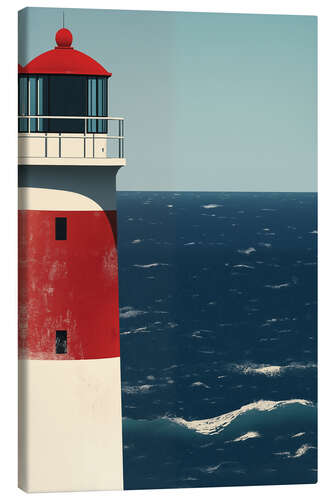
x=54, y=199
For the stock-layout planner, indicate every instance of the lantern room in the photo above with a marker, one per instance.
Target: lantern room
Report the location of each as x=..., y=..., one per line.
x=59, y=87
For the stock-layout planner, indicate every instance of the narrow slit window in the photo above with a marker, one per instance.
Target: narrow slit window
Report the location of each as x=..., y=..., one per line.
x=61, y=341
x=61, y=228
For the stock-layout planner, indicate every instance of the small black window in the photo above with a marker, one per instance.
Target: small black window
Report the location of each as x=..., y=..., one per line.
x=61, y=228
x=61, y=342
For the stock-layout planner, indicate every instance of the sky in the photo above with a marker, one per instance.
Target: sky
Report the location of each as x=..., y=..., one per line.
x=212, y=102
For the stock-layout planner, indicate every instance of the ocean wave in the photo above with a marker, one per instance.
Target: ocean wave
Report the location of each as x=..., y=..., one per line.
x=298, y=453
x=247, y=251
x=277, y=287
x=299, y=434
x=270, y=370
x=142, y=329
x=200, y=384
x=148, y=266
x=135, y=389
x=129, y=312
x=266, y=245
x=248, y=435
x=243, y=266
x=135, y=242
x=211, y=205
x=217, y=424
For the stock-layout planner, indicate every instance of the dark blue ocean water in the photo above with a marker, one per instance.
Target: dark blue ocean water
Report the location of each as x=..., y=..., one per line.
x=218, y=338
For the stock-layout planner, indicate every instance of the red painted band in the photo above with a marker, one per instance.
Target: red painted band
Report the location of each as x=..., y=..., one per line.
x=69, y=285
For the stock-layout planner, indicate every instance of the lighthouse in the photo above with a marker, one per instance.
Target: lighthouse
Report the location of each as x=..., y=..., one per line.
x=69, y=153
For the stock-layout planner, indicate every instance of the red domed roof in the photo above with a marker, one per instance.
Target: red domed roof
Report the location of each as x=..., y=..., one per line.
x=20, y=68
x=64, y=60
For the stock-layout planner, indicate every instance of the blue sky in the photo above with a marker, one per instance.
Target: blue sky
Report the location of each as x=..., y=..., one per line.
x=212, y=102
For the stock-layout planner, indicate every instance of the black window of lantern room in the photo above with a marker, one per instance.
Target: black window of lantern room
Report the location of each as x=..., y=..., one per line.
x=62, y=95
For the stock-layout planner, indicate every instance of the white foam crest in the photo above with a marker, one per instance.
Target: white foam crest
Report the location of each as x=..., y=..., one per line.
x=276, y=287
x=200, y=384
x=142, y=329
x=299, y=434
x=217, y=424
x=247, y=251
x=243, y=265
x=298, y=453
x=134, y=389
x=212, y=468
x=265, y=370
x=302, y=450
x=271, y=370
x=135, y=242
x=248, y=435
x=211, y=205
x=148, y=266
x=129, y=312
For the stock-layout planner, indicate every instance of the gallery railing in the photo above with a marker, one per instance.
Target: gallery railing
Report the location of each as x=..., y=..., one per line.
x=71, y=136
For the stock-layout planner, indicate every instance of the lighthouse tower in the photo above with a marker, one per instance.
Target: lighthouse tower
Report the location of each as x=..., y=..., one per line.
x=70, y=150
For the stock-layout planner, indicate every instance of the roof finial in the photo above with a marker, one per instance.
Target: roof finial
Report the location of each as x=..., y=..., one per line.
x=64, y=38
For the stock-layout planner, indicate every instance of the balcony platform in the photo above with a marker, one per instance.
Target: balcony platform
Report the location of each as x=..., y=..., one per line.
x=38, y=146
x=80, y=161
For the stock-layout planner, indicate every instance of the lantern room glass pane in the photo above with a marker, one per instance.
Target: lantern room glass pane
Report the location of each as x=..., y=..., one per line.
x=42, y=101
x=97, y=104
x=100, y=104
x=33, y=102
x=23, y=103
x=67, y=96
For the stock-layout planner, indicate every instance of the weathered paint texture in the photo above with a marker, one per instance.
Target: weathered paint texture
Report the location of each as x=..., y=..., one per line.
x=69, y=285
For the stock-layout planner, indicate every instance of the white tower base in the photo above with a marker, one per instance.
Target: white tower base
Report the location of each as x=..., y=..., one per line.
x=70, y=425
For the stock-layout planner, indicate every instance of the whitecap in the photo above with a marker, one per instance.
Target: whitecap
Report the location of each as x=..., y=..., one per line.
x=243, y=266
x=276, y=287
x=211, y=205
x=135, y=389
x=148, y=266
x=270, y=370
x=248, y=435
x=200, y=384
x=247, y=251
x=135, y=242
x=142, y=329
x=302, y=450
x=129, y=312
x=211, y=468
x=217, y=424
x=298, y=453
x=299, y=434
x=266, y=245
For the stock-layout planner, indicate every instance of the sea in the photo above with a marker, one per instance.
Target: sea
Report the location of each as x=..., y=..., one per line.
x=218, y=321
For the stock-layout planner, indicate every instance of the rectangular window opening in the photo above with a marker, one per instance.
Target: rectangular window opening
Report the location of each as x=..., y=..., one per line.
x=61, y=341
x=61, y=228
